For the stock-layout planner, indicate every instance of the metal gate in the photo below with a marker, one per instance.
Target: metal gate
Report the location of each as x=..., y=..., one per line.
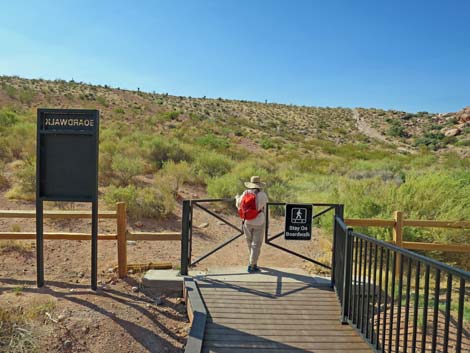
x=187, y=231
x=327, y=207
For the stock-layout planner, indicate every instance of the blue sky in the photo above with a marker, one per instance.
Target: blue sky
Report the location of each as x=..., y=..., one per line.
x=407, y=55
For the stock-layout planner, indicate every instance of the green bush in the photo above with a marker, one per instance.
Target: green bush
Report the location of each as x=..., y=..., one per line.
x=124, y=168
x=26, y=96
x=149, y=202
x=7, y=118
x=3, y=179
x=397, y=131
x=160, y=149
x=212, y=164
x=20, y=139
x=226, y=186
x=433, y=140
x=11, y=91
x=177, y=174
x=166, y=116
x=24, y=186
x=214, y=142
x=101, y=100
x=266, y=143
x=463, y=143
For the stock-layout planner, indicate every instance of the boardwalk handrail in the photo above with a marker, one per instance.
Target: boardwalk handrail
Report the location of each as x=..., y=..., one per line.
x=381, y=294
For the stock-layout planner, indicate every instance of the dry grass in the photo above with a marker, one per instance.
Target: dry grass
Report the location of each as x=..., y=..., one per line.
x=15, y=246
x=19, y=329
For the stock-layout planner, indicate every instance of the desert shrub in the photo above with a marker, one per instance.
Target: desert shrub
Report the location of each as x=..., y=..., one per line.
x=177, y=173
x=432, y=140
x=7, y=118
x=101, y=100
x=11, y=91
x=20, y=141
x=314, y=165
x=26, y=96
x=228, y=185
x=105, y=162
x=160, y=149
x=437, y=195
x=5, y=151
x=12, y=138
x=266, y=143
x=124, y=168
x=166, y=116
x=279, y=192
x=3, y=179
x=24, y=186
x=365, y=198
x=225, y=186
x=214, y=142
x=463, y=143
x=152, y=202
x=263, y=168
x=212, y=164
x=397, y=130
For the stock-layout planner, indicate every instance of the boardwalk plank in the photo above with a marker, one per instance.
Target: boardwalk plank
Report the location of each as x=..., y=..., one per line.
x=284, y=350
x=293, y=338
x=280, y=331
x=267, y=344
x=249, y=317
x=280, y=326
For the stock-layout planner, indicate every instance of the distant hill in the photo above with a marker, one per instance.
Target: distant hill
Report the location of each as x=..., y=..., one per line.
x=156, y=149
x=279, y=122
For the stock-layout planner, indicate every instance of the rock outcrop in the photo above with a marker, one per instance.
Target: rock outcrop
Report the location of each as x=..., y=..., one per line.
x=463, y=116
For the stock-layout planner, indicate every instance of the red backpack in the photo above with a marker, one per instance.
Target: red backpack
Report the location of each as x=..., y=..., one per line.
x=247, y=209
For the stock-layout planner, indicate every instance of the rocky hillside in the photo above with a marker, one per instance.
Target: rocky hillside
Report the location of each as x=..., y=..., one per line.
x=156, y=149
x=263, y=124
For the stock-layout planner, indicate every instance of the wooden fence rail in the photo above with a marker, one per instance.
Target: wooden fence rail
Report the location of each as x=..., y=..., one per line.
x=399, y=222
x=122, y=235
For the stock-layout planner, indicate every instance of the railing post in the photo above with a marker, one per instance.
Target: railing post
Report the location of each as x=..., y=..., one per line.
x=185, y=230
x=398, y=236
x=121, y=239
x=347, y=274
x=339, y=212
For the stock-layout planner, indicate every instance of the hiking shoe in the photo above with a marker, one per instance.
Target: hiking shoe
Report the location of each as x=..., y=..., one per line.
x=250, y=269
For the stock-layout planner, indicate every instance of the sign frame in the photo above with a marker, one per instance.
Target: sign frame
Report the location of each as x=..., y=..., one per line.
x=298, y=220
x=80, y=126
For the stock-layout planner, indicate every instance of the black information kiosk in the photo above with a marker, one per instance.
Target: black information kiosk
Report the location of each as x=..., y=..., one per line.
x=67, y=170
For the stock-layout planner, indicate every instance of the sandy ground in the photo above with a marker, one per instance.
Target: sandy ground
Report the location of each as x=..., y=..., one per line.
x=117, y=318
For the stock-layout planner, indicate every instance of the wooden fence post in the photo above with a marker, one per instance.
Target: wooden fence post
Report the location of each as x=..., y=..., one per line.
x=122, y=239
x=398, y=236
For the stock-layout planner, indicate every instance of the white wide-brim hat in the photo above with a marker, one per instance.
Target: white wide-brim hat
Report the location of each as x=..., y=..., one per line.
x=255, y=183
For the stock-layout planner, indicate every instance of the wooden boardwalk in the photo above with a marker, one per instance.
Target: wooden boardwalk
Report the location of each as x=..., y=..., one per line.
x=274, y=317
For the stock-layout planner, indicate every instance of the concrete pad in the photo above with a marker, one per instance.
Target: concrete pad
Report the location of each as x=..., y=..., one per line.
x=275, y=275
x=163, y=280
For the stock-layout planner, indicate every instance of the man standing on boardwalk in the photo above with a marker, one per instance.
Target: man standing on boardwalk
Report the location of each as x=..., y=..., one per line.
x=251, y=207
